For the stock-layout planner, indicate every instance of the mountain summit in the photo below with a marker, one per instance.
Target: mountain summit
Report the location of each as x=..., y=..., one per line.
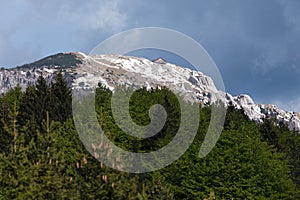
x=85, y=71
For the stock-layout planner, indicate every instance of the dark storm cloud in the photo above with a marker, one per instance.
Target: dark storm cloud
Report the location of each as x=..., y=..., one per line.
x=256, y=44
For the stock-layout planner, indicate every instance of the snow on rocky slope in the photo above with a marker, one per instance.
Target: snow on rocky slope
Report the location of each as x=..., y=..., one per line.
x=84, y=72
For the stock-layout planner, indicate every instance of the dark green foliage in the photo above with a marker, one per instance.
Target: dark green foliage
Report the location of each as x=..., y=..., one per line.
x=35, y=104
x=61, y=101
x=42, y=101
x=9, y=106
x=37, y=100
x=239, y=167
x=285, y=141
x=42, y=156
x=141, y=101
x=63, y=60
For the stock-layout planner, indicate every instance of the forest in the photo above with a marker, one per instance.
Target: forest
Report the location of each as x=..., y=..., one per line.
x=42, y=156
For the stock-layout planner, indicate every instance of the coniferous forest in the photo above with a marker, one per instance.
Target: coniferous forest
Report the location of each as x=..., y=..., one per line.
x=42, y=157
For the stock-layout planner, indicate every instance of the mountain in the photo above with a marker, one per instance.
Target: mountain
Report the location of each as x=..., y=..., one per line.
x=85, y=71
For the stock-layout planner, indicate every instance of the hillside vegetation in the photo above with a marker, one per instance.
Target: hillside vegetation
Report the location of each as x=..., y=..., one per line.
x=64, y=60
x=42, y=157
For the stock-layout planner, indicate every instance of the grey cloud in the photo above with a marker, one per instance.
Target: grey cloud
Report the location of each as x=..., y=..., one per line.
x=94, y=14
x=39, y=28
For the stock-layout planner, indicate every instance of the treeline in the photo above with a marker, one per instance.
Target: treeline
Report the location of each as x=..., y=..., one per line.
x=42, y=157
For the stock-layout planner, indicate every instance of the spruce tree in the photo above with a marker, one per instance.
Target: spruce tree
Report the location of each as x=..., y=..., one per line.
x=9, y=113
x=35, y=104
x=62, y=99
x=42, y=100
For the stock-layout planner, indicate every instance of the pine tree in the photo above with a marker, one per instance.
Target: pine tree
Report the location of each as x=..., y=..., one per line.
x=35, y=104
x=9, y=112
x=62, y=99
x=44, y=159
x=42, y=100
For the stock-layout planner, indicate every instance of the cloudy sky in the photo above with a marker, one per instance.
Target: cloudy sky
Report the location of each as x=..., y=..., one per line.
x=255, y=44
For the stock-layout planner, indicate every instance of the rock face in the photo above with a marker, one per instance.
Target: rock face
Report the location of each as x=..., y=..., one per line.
x=84, y=72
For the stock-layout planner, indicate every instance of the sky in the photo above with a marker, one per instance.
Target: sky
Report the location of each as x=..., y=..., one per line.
x=254, y=43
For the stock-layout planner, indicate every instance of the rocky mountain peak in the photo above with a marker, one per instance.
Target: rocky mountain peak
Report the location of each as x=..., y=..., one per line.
x=85, y=71
x=159, y=61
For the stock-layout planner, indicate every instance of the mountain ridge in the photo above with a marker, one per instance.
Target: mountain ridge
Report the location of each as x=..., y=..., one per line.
x=82, y=72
